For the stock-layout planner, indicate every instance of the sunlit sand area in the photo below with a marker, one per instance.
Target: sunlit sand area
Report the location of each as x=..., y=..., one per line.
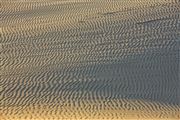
x=89, y=60
x=102, y=109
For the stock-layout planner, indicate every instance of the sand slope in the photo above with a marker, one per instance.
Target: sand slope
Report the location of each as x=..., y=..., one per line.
x=89, y=59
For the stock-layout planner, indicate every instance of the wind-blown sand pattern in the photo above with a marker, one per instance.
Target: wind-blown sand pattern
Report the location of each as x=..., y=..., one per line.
x=89, y=59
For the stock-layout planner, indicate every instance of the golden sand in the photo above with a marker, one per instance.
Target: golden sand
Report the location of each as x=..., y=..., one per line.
x=61, y=57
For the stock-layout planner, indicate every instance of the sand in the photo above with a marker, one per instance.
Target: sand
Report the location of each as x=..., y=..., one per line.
x=89, y=59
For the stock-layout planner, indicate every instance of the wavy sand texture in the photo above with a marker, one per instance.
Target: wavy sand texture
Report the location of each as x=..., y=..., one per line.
x=89, y=59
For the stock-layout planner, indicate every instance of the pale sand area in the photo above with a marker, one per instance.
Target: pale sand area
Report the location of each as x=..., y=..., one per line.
x=89, y=59
x=102, y=109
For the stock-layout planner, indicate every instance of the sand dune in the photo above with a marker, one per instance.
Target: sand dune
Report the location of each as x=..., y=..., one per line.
x=101, y=109
x=89, y=59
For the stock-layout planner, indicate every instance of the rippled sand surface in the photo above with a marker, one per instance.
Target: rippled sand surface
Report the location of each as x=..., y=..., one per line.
x=89, y=59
